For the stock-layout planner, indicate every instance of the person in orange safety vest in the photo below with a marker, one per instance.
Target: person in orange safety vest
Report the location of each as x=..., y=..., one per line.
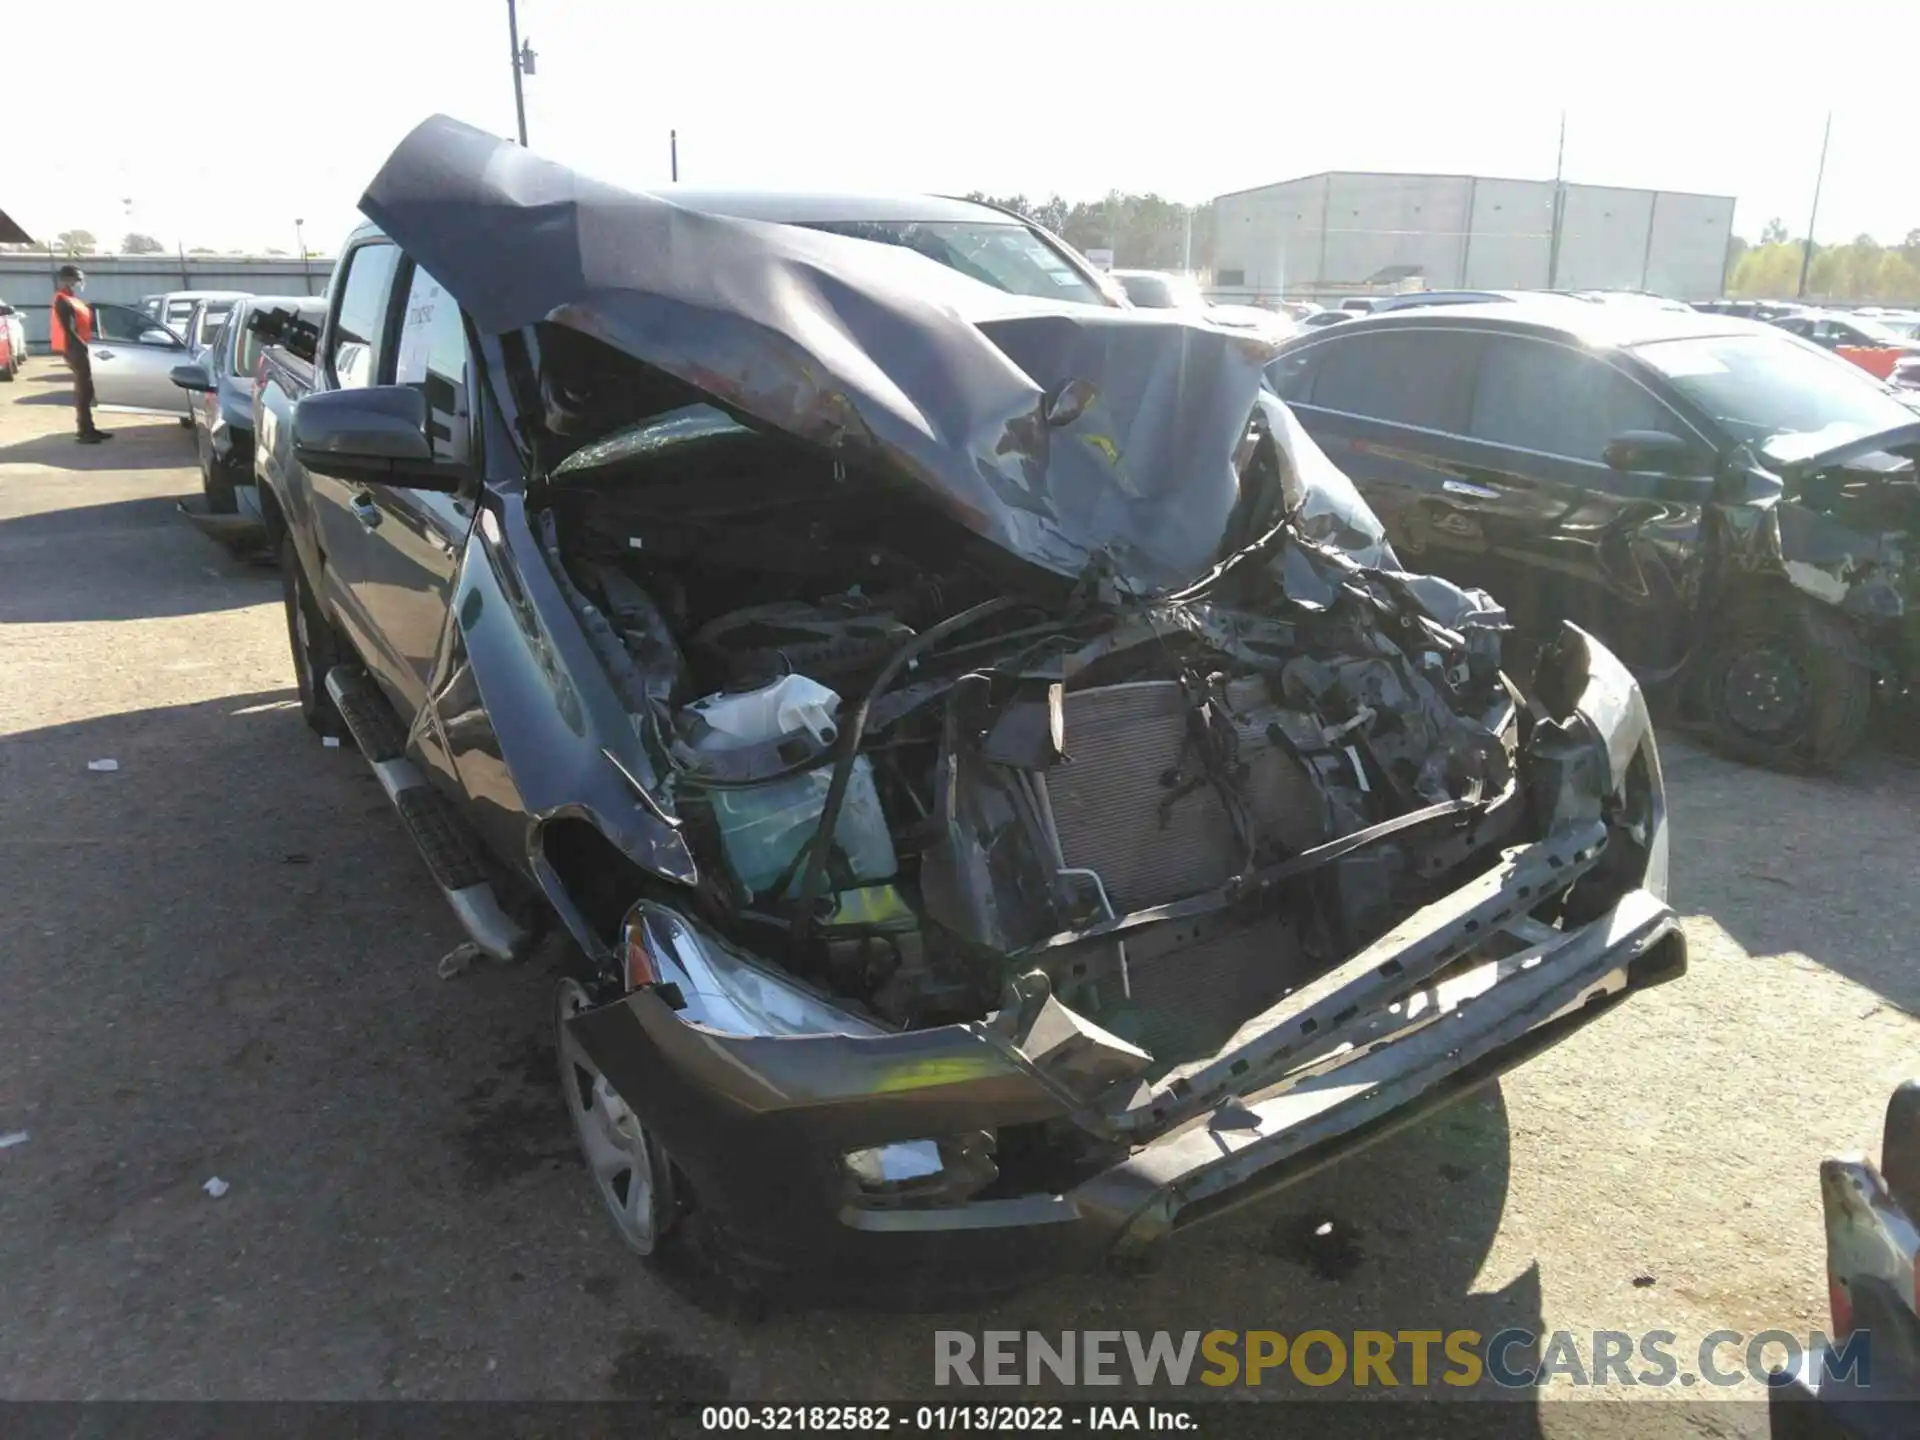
x=71, y=331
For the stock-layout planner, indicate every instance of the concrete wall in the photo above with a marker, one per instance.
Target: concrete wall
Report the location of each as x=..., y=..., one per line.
x=26, y=280
x=1689, y=255
x=1511, y=237
x=1603, y=237
x=1375, y=222
x=1339, y=230
x=1271, y=235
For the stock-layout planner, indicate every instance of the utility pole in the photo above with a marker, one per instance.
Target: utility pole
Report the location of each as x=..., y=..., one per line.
x=519, y=99
x=1186, y=246
x=673, y=153
x=306, y=270
x=1820, y=175
x=1559, y=207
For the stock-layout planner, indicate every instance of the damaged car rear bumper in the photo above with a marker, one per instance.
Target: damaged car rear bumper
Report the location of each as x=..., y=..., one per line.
x=772, y=1120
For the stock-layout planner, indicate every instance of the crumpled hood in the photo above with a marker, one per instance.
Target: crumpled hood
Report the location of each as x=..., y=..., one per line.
x=893, y=362
x=1794, y=455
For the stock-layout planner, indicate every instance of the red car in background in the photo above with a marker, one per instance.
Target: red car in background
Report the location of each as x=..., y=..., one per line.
x=1872, y=346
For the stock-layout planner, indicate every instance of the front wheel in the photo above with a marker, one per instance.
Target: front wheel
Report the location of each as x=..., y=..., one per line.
x=1784, y=688
x=630, y=1170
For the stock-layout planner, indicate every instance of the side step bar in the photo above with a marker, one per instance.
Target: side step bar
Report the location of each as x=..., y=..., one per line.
x=446, y=843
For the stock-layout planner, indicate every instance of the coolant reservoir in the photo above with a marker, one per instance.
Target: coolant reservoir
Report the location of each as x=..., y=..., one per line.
x=753, y=717
x=763, y=827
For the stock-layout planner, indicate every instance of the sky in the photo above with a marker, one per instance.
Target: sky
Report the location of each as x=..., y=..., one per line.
x=223, y=122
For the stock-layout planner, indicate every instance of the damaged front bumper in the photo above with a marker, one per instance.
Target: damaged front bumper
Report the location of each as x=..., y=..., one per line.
x=832, y=1146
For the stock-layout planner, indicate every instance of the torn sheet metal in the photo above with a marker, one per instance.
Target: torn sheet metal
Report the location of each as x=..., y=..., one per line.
x=880, y=355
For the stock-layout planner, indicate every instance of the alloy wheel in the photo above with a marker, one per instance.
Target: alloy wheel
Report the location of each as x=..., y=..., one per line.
x=620, y=1155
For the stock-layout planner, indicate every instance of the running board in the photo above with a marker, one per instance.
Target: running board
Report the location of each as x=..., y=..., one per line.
x=445, y=842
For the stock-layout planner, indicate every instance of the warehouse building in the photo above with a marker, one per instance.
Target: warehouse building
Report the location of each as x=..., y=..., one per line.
x=1351, y=232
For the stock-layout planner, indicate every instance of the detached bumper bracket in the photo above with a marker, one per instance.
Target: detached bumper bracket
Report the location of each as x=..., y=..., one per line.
x=1316, y=1020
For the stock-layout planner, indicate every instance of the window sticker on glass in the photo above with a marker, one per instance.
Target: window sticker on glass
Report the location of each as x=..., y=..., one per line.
x=1685, y=360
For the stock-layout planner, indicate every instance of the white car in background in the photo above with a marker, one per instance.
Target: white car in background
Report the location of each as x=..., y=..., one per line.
x=1165, y=290
x=16, y=347
x=175, y=308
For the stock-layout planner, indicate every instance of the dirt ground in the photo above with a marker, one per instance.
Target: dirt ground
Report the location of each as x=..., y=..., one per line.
x=219, y=961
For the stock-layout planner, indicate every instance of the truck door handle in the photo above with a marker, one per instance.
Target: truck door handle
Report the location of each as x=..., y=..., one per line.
x=99, y=354
x=365, y=511
x=1475, y=492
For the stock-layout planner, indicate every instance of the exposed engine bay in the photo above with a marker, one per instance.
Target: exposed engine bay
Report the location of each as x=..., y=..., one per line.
x=1006, y=758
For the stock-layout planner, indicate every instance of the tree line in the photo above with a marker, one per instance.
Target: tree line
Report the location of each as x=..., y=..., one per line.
x=1144, y=232
x=1864, y=269
x=72, y=244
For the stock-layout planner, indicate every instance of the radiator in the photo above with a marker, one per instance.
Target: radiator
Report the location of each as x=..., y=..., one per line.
x=1189, y=998
x=1121, y=740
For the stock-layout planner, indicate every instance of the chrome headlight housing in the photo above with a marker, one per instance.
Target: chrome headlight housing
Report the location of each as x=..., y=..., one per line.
x=1598, y=756
x=717, y=985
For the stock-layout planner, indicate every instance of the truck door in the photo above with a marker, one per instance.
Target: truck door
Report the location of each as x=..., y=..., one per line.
x=403, y=581
x=356, y=353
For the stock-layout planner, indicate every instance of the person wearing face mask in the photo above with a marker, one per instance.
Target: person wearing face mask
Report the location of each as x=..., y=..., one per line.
x=71, y=332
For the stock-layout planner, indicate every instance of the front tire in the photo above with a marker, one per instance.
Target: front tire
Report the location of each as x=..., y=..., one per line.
x=316, y=647
x=1784, y=688
x=628, y=1166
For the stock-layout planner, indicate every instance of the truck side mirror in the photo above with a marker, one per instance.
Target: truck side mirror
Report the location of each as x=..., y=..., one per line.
x=376, y=435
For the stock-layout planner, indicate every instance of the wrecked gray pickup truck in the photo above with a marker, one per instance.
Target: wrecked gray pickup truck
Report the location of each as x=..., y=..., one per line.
x=1008, y=800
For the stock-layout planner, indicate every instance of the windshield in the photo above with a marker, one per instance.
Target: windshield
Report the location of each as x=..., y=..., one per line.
x=1007, y=256
x=246, y=352
x=1162, y=292
x=247, y=344
x=1905, y=330
x=1763, y=387
x=211, y=319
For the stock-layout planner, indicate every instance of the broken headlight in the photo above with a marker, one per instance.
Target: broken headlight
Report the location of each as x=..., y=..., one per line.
x=717, y=985
x=1597, y=757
